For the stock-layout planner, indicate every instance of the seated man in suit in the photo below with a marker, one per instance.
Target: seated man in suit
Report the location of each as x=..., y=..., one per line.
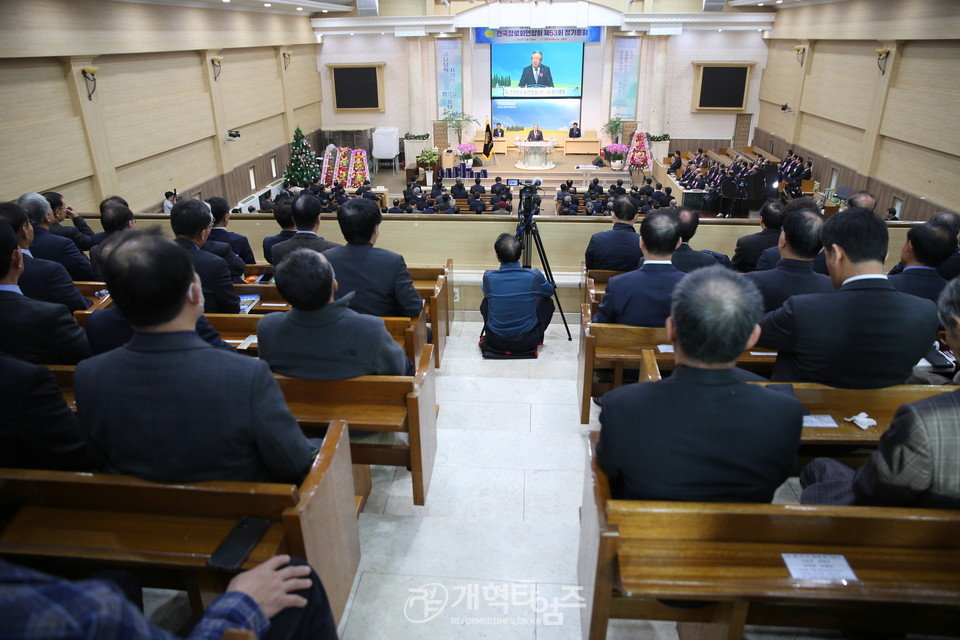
x=536, y=74
x=535, y=134
x=685, y=258
x=191, y=222
x=113, y=219
x=617, y=249
x=220, y=209
x=321, y=338
x=642, y=297
x=915, y=464
x=396, y=207
x=49, y=246
x=750, y=247
x=237, y=428
x=379, y=277
x=702, y=434
x=33, y=330
x=867, y=336
x=926, y=248
x=770, y=257
x=283, y=214
x=799, y=244
x=41, y=279
x=676, y=163
x=458, y=190
x=306, y=215
x=574, y=131
x=498, y=131
x=950, y=268
x=477, y=189
x=80, y=232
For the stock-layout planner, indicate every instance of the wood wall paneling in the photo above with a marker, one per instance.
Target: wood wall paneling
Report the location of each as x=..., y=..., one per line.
x=308, y=118
x=780, y=75
x=302, y=76
x=250, y=84
x=922, y=66
x=919, y=169
x=41, y=155
x=840, y=73
x=925, y=118
x=144, y=182
x=867, y=19
x=833, y=139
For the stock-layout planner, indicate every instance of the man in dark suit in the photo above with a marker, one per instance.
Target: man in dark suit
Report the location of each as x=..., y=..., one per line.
x=114, y=219
x=927, y=246
x=41, y=279
x=191, y=222
x=617, y=249
x=950, y=268
x=676, y=164
x=477, y=189
x=498, y=131
x=869, y=335
x=685, y=258
x=750, y=247
x=379, y=277
x=642, y=297
x=574, y=131
x=193, y=423
x=799, y=244
x=536, y=74
x=497, y=187
x=49, y=246
x=220, y=209
x=80, y=232
x=394, y=209
x=33, y=330
x=283, y=214
x=702, y=434
x=535, y=134
x=306, y=215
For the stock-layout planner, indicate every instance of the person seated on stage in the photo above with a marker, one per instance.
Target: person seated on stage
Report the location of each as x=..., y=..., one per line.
x=869, y=335
x=535, y=134
x=685, y=258
x=306, y=215
x=574, y=131
x=536, y=74
x=517, y=305
x=750, y=247
x=617, y=249
x=498, y=131
x=926, y=248
x=676, y=163
x=702, y=434
x=80, y=232
x=798, y=245
x=191, y=222
x=321, y=338
x=497, y=187
x=477, y=188
x=396, y=207
x=41, y=279
x=697, y=159
x=458, y=190
x=49, y=246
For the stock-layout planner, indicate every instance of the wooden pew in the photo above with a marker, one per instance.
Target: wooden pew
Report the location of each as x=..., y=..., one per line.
x=755, y=150
x=262, y=271
x=96, y=291
x=432, y=273
x=167, y=532
x=593, y=282
x=634, y=553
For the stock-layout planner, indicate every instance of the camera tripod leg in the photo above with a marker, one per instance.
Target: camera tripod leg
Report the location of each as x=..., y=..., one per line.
x=532, y=230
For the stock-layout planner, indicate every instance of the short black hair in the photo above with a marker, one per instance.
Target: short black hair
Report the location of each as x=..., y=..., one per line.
x=358, y=218
x=8, y=244
x=112, y=201
x=714, y=311
x=862, y=234
x=305, y=279
x=932, y=243
x=772, y=214
x=116, y=218
x=148, y=276
x=55, y=199
x=189, y=217
x=306, y=211
x=508, y=248
x=660, y=232
x=624, y=209
x=168, y=194
x=688, y=220
x=802, y=229
x=283, y=212
x=14, y=215
x=219, y=208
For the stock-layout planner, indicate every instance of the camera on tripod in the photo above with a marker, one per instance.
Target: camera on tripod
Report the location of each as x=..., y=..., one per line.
x=529, y=203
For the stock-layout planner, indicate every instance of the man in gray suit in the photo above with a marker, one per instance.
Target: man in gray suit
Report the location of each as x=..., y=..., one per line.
x=306, y=215
x=168, y=406
x=321, y=338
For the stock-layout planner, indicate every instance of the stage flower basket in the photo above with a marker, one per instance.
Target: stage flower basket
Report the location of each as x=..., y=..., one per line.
x=359, y=172
x=342, y=167
x=466, y=151
x=639, y=158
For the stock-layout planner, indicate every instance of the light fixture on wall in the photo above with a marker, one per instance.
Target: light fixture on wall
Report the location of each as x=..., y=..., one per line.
x=287, y=57
x=801, y=53
x=216, y=62
x=786, y=108
x=90, y=77
x=882, y=55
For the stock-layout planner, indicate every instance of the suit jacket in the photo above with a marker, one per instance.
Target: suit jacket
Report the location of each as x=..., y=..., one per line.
x=201, y=413
x=79, y=233
x=380, y=278
x=789, y=278
x=108, y=329
x=535, y=136
x=750, y=247
x=330, y=343
x=641, y=297
x=867, y=336
x=49, y=246
x=498, y=133
x=923, y=282
x=235, y=263
x=574, y=132
x=770, y=258
x=545, y=79
x=40, y=332
x=37, y=429
x=270, y=241
x=699, y=435
x=49, y=281
x=218, y=292
x=686, y=259
x=616, y=249
x=238, y=243
x=302, y=240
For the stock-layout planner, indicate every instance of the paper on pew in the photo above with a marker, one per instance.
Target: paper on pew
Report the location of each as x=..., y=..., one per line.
x=821, y=420
x=820, y=567
x=247, y=343
x=665, y=348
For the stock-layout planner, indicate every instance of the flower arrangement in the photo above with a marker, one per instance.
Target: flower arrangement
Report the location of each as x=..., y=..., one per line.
x=639, y=158
x=616, y=151
x=663, y=137
x=358, y=168
x=415, y=136
x=466, y=151
x=342, y=167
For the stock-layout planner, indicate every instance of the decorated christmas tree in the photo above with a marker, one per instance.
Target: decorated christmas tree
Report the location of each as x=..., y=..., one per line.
x=302, y=168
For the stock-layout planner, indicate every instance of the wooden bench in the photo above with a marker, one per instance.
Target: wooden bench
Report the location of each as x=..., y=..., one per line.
x=262, y=271
x=593, y=282
x=166, y=532
x=95, y=291
x=635, y=553
x=432, y=273
x=755, y=151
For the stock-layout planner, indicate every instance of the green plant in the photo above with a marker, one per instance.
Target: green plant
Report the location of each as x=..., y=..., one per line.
x=613, y=128
x=415, y=136
x=302, y=168
x=663, y=137
x=428, y=158
x=459, y=122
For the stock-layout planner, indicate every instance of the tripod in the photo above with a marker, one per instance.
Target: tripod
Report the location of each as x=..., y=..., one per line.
x=526, y=231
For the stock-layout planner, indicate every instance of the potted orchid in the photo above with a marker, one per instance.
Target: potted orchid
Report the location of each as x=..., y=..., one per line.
x=466, y=151
x=616, y=153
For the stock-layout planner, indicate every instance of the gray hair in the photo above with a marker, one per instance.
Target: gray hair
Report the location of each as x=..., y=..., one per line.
x=714, y=311
x=948, y=305
x=36, y=206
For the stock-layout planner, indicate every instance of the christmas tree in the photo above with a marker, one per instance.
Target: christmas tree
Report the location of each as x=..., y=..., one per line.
x=302, y=168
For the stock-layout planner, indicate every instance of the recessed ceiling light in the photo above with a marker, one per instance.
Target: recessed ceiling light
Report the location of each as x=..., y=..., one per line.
x=325, y=11
x=226, y=0
x=267, y=4
x=383, y=33
x=779, y=1
x=299, y=8
x=351, y=34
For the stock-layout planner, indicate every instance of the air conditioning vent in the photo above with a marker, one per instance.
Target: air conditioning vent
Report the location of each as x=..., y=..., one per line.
x=713, y=5
x=372, y=7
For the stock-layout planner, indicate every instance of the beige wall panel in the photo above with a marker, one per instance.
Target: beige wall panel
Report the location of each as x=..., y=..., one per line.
x=33, y=91
x=81, y=196
x=919, y=170
x=137, y=131
x=774, y=120
x=868, y=19
x=923, y=118
x=44, y=28
x=135, y=79
x=839, y=72
x=41, y=156
x=303, y=79
x=250, y=85
x=144, y=182
x=779, y=78
x=308, y=117
x=256, y=139
x=929, y=66
x=834, y=140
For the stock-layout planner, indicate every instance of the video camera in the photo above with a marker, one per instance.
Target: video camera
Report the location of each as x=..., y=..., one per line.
x=529, y=203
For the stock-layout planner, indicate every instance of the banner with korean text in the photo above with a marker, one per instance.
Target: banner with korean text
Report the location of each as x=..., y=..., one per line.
x=449, y=76
x=626, y=72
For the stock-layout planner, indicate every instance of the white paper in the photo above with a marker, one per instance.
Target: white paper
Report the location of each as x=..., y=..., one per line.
x=665, y=348
x=273, y=304
x=763, y=353
x=247, y=342
x=819, y=421
x=821, y=567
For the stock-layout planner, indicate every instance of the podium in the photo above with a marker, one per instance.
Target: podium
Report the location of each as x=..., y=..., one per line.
x=535, y=156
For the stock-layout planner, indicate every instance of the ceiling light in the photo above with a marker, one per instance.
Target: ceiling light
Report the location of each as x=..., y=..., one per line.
x=226, y=0
x=325, y=11
x=779, y=1
x=267, y=4
x=719, y=30
x=299, y=8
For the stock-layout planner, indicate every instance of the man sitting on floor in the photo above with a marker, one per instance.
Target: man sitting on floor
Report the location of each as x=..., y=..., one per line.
x=516, y=306
x=701, y=434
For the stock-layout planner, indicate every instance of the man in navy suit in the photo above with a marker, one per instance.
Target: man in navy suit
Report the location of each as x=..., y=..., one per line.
x=676, y=164
x=685, y=258
x=498, y=131
x=574, y=131
x=750, y=247
x=113, y=219
x=49, y=246
x=927, y=246
x=535, y=134
x=536, y=74
x=642, y=297
x=221, y=218
x=867, y=336
x=794, y=275
x=617, y=249
x=283, y=214
x=191, y=222
x=306, y=215
x=80, y=232
x=41, y=279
